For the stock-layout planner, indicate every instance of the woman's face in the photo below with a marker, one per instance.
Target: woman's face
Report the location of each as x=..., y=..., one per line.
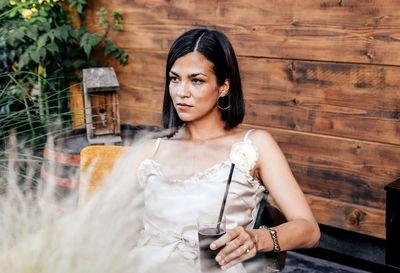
x=193, y=87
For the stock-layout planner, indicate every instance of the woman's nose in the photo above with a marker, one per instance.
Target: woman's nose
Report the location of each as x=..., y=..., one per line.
x=183, y=90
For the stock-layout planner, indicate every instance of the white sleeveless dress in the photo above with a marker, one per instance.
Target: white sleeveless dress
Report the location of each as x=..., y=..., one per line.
x=169, y=241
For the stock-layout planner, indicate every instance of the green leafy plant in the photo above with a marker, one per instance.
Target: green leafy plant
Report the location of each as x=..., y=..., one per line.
x=114, y=24
x=43, y=50
x=40, y=46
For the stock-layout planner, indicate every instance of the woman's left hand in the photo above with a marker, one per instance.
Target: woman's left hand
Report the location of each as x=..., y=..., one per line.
x=238, y=245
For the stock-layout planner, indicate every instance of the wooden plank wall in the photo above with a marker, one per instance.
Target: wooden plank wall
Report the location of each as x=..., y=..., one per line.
x=323, y=76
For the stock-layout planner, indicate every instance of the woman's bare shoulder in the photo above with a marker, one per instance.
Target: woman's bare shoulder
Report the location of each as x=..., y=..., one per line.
x=261, y=137
x=146, y=147
x=266, y=145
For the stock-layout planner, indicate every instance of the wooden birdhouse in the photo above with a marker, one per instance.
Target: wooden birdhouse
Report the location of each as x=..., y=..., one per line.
x=100, y=88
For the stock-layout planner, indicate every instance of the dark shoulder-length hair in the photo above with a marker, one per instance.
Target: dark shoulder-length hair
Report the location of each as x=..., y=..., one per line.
x=216, y=47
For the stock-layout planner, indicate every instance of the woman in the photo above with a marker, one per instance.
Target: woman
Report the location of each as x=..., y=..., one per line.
x=185, y=174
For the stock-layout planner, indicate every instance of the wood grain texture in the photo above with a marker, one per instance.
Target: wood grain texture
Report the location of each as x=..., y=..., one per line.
x=348, y=100
x=140, y=116
x=348, y=216
x=77, y=105
x=354, y=101
x=340, y=169
x=365, y=31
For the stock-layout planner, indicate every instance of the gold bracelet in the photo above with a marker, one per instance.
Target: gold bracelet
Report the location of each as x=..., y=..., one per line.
x=274, y=236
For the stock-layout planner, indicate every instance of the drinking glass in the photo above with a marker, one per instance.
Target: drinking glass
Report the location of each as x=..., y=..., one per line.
x=209, y=230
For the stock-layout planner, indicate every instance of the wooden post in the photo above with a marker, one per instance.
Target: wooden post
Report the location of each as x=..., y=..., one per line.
x=75, y=89
x=77, y=105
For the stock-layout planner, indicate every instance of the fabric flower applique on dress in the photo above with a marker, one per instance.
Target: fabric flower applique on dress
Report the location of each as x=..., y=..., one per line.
x=244, y=155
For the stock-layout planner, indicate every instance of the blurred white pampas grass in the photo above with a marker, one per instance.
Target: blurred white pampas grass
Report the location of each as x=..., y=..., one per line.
x=96, y=237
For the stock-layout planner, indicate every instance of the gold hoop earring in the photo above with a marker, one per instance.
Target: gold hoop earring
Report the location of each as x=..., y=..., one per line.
x=222, y=108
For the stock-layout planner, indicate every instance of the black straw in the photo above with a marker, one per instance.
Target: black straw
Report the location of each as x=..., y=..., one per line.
x=221, y=212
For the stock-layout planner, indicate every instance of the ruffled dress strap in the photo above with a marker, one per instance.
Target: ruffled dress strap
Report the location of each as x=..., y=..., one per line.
x=148, y=166
x=158, y=141
x=247, y=135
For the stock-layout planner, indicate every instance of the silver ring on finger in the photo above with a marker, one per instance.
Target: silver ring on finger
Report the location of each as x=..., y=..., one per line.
x=246, y=249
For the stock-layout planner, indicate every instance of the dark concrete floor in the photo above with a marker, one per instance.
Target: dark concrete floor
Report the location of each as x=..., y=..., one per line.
x=300, y=263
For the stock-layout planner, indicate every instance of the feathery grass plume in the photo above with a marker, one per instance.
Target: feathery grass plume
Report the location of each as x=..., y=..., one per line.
x=95, y=237
x=98, y=236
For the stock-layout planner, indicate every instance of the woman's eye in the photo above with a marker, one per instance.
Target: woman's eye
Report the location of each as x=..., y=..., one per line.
x=197, y=81
x=173, y=79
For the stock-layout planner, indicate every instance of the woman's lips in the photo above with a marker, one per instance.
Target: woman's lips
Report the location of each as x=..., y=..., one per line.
x=183, y=106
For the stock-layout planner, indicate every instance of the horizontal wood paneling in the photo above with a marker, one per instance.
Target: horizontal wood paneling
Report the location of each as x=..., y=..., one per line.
x=365, y=31
x=136, y=116
x=354, y=101
x=348, y=216
x=340, y=169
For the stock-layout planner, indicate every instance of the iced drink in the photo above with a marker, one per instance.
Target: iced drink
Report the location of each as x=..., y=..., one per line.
x=209, y=231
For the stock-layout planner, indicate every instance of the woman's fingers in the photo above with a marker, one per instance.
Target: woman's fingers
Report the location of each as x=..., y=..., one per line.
x=228, y=263
x=241, y=253
x=239, y=246
x=225, y=239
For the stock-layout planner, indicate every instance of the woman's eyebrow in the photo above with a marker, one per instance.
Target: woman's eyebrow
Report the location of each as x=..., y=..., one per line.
x=190, y=76
x=197, y=74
